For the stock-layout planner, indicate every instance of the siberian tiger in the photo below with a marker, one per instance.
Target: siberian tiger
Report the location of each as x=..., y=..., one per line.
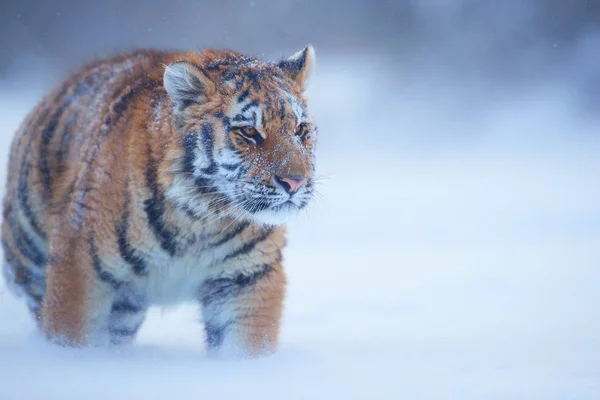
x=154, y=178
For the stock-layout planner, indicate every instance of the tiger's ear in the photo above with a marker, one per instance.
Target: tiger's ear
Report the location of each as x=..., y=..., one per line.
x=187, y=84
x=299, y=66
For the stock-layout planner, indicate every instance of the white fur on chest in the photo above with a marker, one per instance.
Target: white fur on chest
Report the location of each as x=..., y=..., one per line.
x=174, y=280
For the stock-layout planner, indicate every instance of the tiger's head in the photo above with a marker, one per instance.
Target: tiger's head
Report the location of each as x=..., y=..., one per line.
x=247, y=135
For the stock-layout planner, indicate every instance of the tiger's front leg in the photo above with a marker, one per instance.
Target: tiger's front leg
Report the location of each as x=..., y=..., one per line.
x=242, y=313
x=76, y=303
x=86, y=304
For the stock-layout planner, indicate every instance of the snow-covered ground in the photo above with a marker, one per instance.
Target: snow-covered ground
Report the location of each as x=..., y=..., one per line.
x=454, y=255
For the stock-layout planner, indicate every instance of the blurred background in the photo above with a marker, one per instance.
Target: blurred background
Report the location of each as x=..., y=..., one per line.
x=483, y=48
x=454, y=250
x=510, y=40
x=503, y=38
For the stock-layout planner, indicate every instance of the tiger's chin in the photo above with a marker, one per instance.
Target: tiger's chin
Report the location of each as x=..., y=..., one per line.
x=277, y=215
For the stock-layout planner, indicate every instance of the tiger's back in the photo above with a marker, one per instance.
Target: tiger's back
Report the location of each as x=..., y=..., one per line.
x=46, y=157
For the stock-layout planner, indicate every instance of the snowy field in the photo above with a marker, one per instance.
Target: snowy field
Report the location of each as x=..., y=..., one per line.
x=454, y=255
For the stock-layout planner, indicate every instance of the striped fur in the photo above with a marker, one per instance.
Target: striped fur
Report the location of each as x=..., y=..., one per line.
x=153, y=178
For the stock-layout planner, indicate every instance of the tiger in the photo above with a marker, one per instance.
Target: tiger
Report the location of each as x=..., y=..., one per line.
x=153, y=178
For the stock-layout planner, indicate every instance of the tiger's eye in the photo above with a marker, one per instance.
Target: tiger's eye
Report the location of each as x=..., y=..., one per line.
x=248, y=131
x=302, y=131
x=250, y=134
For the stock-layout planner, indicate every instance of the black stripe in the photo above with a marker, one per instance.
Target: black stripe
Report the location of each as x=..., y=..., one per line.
x=125, y=307
x=23, y=277
x=103, y=275
x=219, y=63
x=253, y=103
x=190, y=213
x=211, y=169
x=247, y=247
x=128, y=254
x=205, y=186
x=190, y=144
x=250, y=280
x=231, y=167
x=215, y=334
x=155, y=208
x=65, y=140
x=239, y=84
x=238, y=229
x=23, y=241
x=303, y=204
x=268, y=104
x=44, y=168
x=119, y=107
x=228, y=76
x=9, y=255
x=124, y=332
x=47, y=135
x=50, y=128
x=254, y=77
x=226, y=124
x=27, y=276
x=208, y=141
x=243, y=96
x=222, y=289
x=240, y=117
x=37, y=298
x=23, y=196
x=281, y=109
x=264, y=123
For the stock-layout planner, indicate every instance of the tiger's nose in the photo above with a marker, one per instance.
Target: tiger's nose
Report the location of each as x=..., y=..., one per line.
x=291, y=183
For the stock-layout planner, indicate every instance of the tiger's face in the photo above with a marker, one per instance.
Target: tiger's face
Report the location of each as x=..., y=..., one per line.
x=248, y=136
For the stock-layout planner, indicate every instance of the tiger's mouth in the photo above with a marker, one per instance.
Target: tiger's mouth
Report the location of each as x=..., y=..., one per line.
x=288, y=205
x=276, y=215
x=265, y=204
x=273, y=211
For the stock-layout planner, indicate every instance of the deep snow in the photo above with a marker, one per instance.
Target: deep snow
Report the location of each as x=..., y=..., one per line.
x=454, y=255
